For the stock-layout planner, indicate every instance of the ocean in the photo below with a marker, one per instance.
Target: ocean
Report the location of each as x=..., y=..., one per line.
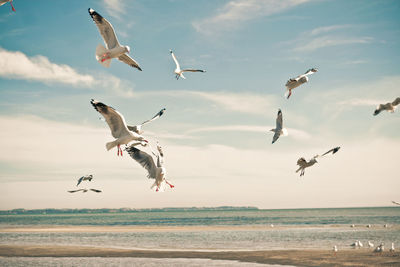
x=210, y=229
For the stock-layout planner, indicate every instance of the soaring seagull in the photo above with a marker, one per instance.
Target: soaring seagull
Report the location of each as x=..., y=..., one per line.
x=138, y=128
x=114, y=49
x=394, y=202
x=305, y=164
x=85, y=178
x=155, y=170
x=391, y=106
x=299, y=80
x=119, y=129
x=84, y=190
x=2, y=2
x=178, y=72
x=279, y=130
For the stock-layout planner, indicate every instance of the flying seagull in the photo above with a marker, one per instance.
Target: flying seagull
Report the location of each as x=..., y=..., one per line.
x=114, y=49
x=138, y=128
x=155, y=170
x=2, y=2
x=119, y=129
x=305, y=164
x=333, y=150
x=299, y=80
x=279, y=130
x=85, y=190
x=85, y=178
x=391, y=107
x=178, y=72
x=394, y=202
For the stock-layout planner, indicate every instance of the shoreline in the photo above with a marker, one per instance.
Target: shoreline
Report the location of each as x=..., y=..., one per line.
x=346, y=257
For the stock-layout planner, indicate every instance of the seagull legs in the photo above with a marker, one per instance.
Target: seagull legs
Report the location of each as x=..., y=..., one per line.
x=290, y=93
x=12, y=7
x=105, y=57
x=119, y=150
x=170, y=185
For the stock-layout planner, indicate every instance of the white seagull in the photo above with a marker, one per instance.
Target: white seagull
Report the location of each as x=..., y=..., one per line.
x=392, y=248
x=356, y=244
x=114, y=49
x=119, y=129
x=279, y=130
x=85, y=190
x=85, y=178
x=2, y=2
x=178, y=72
x=299, y=80
x=391, y=107
x=138, y=128
x=335, y=249
x=370, y=245
x=155, y=170
x=305, y=164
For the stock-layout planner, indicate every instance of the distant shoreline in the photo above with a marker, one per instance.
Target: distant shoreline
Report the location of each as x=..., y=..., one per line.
x=283, y=257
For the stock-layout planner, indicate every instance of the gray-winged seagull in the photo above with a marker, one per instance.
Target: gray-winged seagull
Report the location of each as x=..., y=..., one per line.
x=299, y=80
x=178, y=72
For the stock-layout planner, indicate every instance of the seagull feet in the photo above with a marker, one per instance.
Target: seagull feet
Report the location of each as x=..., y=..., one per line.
x=170, y=185
x=119, y=150
x=157, y=189
x=290, y=93
x=105, y=57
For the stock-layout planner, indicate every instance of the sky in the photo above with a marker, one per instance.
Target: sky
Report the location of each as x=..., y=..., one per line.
x=215, y=131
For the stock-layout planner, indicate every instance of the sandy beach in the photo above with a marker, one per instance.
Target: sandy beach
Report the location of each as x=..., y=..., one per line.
x=284, y=257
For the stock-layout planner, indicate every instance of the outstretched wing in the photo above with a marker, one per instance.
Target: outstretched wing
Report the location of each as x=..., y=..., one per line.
x=143, y=159
x=301, y=162
x=176, y=61
x=114, y=119
x=394, y=202
x=333, y=150
x=279, y=121
x=396, y=101
x=130, y=61
x=95, y=190
x=105, y=28
x=73, y=191
x=159, y=114
x=191, y=70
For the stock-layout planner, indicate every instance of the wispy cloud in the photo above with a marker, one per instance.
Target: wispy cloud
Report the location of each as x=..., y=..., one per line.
x=115, y=8
x=330, y=28
x=236, y=12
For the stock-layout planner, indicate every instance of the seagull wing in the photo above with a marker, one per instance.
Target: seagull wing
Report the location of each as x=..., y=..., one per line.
x=333, y=150
x=80, y=180
x=278, y=128
x=114, y=119
x=73, y=191
x=133, y=128
x=95, y=190
x=159, y=114
x=301, y=162
x=191, y=70
x=130, y=61
x=394, y=202
x=396, y=101
x=105, y=28
x=143, y=159
x=176, y=61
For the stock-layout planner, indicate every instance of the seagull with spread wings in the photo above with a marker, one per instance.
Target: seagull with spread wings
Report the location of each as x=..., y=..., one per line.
x=84, y=190
x=394, y=202
x=138, y=128
x=85, y=178
x=178, y=72
x=299, y=80
x=279, y=130
x=155, y=170
x=390, y=107
x=118, y=127
x=303, y=163
x=2, y=2
x=114, y=49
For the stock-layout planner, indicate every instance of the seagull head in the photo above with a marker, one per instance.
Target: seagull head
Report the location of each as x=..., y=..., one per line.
x=314, y=70
x=170, y=51
x=128, y=49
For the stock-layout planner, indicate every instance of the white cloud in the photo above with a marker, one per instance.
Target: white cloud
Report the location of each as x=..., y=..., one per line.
x=16, y=65
x=115, y=8
x=331, y=28
x=236, y=12
x=327, y=41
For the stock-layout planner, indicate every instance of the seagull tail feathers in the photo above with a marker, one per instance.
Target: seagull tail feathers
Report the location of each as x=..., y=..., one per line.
x=100, y=56
x=284, y=132
x=111, y=145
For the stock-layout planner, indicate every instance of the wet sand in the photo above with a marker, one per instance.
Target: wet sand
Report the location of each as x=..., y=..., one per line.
x=285, y=257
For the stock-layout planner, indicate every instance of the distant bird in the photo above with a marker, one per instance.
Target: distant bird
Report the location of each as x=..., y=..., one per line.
x=85, y=178
x=394, y=202
x=352, y=226
x=138, y=128
x=305, y=164
x=385, y=225
x=119, y=129
x=279, y=130
x=392, y=248
x=368, y=226
x=155, y=170
x=333, y=150
x=178, y=72
x=370, y=245
x=360, y=244
x=114, y=49
x=299, y=80
x=390, y=106
x=2, y=2
x=335, y=249
x=379, y=248
x=85, y=190
x=355, y=244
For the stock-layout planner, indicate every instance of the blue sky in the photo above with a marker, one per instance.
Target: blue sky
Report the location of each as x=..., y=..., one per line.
x=215, y=130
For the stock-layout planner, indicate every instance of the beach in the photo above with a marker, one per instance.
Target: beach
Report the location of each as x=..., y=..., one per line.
x=282, y=257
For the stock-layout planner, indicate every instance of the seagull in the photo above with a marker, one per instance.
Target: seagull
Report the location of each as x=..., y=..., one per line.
x=85, y=178
x=392, y=248
x=178, y=72
x=360, y=244
x=335, y=249
x=352, y=226
x=394, y=202
x=119, y=129
x=391, y=107
x=155, y=171
x=138, y=128
x=305, y=164
x=370, y=245
x=2, y=2
x=299, y=80
x=368, y=226
x=355, y=244
x=279, y=130
x=114, y=49
x=333, y=150
x=85, y=190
